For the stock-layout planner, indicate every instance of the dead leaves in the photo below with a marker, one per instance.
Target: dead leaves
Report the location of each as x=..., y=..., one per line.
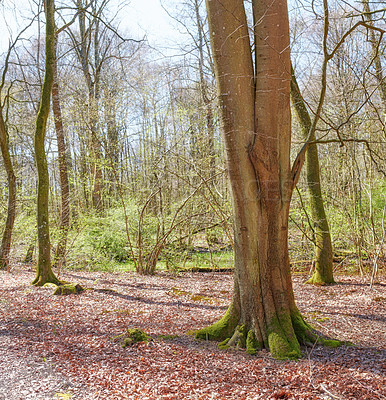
x=71, y=334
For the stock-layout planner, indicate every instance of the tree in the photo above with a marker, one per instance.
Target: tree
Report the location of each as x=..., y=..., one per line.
x=375, y=44
x=63, y=172
x=323, y=271
x=256, y=122
x=44, y=272
x=92, y=48
x=11, y=177
x=11, y=213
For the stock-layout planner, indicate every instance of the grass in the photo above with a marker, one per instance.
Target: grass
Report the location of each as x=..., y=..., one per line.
x=201, y=262
x=219, y=260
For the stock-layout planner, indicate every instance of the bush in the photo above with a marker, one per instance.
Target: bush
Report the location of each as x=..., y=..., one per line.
x=100, y=240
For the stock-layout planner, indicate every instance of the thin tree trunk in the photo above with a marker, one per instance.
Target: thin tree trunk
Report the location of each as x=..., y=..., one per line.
x=83, y=48
x=11, y=212
x=112, y=142
x=375, y=49
x=204, y=93
x=44, y=272
x=96, y=168
x=323, y=272
x=63, y=173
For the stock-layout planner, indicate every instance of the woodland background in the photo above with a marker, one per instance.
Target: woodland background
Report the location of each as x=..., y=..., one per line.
x=140, y=214
x=142, y=147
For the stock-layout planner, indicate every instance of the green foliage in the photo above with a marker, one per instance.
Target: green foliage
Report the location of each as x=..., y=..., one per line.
x=204, y=260
x=355, y=220
x=100, y=242
x=25, y=230
x=107, y=236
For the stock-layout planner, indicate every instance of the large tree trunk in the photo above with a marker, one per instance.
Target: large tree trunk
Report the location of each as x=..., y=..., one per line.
x=63, y=173
x=323, y=272
x=11, y=212
x=256, y=125
x=44, y=272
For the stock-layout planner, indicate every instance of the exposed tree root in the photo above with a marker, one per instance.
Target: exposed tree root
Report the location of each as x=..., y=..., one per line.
x=41, y=280
x=320, y=280
x=282, y=338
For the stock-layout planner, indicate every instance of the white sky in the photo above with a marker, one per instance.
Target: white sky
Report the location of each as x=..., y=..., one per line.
x=139, y=18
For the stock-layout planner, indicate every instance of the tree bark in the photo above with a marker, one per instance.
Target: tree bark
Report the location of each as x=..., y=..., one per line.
x=44, y=272
x=323, y=272
x=11, y=211
x=256, y=123
x=63, y=173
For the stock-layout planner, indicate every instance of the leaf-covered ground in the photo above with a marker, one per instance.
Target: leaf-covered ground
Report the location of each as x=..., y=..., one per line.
x=60, y=347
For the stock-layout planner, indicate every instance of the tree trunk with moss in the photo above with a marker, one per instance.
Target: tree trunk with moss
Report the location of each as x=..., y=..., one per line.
x=11, y=212
x=256, y=123
x=44, y=272
x=323, y=272
x=63, y=173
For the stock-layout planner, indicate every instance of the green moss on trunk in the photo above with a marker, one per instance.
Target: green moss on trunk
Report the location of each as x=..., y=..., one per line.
x=43, y=277
x=11, y=212
x=282, y=340
x=252, y=344
x=320, y=279
x=44, y=272
x=285, y=334
x=323, y=273
x=220, y=330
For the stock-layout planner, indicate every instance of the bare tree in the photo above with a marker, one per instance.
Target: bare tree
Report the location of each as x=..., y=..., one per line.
x=63, y=172
x=323, y=270
x=11, y=211
x=44, y=273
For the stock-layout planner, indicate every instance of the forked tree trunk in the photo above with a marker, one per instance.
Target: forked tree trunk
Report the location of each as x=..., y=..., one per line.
x=323, y=272
x=256, y=125
x=44, y=272
x=63, y=173
x=11, y=212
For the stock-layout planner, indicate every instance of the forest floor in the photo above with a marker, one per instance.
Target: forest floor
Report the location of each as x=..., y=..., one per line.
x=60, y=347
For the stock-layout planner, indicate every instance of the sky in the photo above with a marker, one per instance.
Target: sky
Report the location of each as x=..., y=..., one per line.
x=140, y=18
